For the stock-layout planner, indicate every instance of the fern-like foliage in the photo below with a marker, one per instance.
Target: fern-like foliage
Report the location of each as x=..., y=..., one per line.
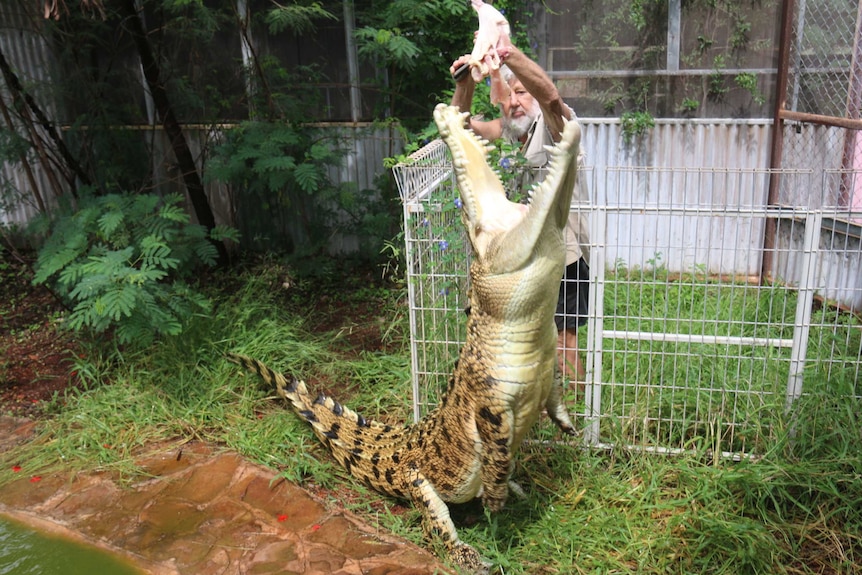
x=297, y=17
x=282, y=166
x=387, y=45
x=120, y=261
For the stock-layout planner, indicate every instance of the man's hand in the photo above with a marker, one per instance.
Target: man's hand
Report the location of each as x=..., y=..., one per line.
x=462, y=67
x=504, y=47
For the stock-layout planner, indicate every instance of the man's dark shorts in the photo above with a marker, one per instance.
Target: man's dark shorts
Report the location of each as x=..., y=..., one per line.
x=574, y=297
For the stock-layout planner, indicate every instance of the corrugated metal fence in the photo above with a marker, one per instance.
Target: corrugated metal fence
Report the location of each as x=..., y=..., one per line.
x=365, y=145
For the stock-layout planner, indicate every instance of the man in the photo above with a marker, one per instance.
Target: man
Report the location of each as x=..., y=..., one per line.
x=533, y=113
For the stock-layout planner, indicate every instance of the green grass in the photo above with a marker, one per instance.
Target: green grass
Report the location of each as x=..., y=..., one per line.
x=184, y=388
x=796, y=509
x=725, y=396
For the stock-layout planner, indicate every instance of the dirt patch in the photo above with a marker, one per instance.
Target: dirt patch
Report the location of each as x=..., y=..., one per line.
x=37, y=354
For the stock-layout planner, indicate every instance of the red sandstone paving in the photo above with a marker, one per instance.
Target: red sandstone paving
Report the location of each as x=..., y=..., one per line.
x=202, y=512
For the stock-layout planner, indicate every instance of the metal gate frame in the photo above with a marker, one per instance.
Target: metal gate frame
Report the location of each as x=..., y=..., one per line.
x=596, y=332
x=432, y=357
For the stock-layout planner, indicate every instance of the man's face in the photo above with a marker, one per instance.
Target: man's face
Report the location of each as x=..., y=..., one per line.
x=520, y=109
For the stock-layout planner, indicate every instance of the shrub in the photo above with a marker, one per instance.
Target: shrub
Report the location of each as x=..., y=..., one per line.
x=634, y=125
x=120, y=261
x=284, y=195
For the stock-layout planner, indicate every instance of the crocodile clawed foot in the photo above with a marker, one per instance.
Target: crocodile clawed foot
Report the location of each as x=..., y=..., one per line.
x=516, y=490
x=468, y=559
x=558, y=414
x=495, y=503
x=567, y=428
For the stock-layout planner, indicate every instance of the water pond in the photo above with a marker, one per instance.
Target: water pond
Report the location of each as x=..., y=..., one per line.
x=25, y=551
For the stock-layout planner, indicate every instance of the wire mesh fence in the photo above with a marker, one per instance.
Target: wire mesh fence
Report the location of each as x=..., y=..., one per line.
x=437, y=253
x=823, y=51
x=821, y=106
x=688, y=344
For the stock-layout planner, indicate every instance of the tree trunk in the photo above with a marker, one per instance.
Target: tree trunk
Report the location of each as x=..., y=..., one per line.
x=26, y=106
x=185, y=160
x=25, y=163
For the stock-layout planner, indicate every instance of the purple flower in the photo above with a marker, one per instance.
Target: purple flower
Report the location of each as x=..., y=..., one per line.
x=505, y=163
x=444, y=245
x=444, y=291
x=458, y=203
x=424, y=223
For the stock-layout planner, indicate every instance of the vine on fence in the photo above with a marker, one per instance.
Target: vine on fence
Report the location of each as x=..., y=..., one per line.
x=446, y=232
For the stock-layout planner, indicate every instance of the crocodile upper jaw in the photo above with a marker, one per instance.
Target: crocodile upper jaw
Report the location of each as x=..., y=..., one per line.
x=506, y=235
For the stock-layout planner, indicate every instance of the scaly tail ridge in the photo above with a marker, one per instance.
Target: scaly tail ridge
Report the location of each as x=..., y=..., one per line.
x=361, y=446
x=293, y=390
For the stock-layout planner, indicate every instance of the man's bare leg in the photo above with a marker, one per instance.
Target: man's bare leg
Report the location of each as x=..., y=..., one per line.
x=571, y=366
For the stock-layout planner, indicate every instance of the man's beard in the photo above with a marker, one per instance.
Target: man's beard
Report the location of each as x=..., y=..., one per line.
x=515, y=128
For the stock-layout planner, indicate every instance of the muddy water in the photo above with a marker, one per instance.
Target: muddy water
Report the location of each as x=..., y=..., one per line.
x=24, y=551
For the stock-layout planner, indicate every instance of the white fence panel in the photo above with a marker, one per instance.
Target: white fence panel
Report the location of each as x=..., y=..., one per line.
x=687, y=346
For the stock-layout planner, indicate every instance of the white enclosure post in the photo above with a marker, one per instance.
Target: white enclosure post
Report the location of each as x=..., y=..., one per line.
x=802, y=323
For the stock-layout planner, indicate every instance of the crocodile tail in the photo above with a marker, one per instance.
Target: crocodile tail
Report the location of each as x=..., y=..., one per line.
x=293, y=390
x=364, y=448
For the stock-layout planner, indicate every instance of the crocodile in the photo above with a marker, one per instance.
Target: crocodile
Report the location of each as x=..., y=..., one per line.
x=506, y=371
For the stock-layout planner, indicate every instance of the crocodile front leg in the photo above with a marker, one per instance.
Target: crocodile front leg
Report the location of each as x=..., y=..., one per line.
x=437, y=523
x=495, y=425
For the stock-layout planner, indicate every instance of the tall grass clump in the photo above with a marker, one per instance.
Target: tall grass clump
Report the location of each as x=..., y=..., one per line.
x=793, y=508
x=182, y=388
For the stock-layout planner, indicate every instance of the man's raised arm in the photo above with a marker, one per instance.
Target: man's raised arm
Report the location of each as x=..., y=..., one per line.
x=540, y=86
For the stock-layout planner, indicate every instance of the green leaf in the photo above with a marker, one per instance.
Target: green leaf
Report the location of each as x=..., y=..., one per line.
x=54, y=262
x=308, y=177
x=320, y=151
x=389, y=45
x=153, y=246
x=221, y=233
x=118, y=302
x=109, y=222
x=296, y=17
x=155, y=253
x=90, y=287
x=172, y=211
x=206, y=252
x=145, y=203
x=146, y=275
x=275, y=164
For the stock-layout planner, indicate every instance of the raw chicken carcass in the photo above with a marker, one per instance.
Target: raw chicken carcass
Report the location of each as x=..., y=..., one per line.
x=485, y=59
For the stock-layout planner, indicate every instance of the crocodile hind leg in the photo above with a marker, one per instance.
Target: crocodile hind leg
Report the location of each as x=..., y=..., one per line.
x=556, y=409
x=436, y=522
